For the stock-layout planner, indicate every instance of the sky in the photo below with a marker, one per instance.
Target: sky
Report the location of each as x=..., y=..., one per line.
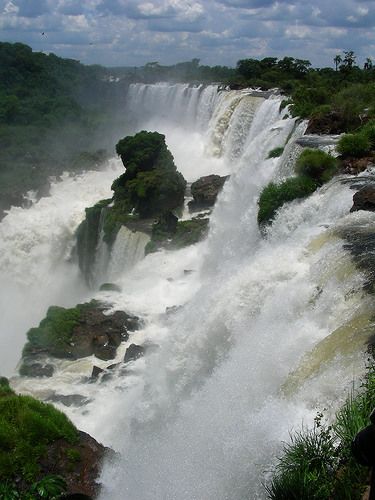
x=218, y=32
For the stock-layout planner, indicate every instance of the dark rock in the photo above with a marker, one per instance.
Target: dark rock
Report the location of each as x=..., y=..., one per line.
x=364, y=199
x=332, y=122
x=76, y=333
x=80, y=474
x=354, y=166
x=205, y=191
x=71, y=400
x=109, y=287
x=96, y=371
x=36, y=370
x=133, y=352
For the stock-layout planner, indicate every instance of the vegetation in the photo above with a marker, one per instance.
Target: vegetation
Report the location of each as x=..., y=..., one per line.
x=276, y=152
x=356, y=145
x=318, y=464
x=55, y=114
x=313, y=168
x=27, y=428
x=274, y=196
x=316, y=165
x=184, y=233
x=54, y=331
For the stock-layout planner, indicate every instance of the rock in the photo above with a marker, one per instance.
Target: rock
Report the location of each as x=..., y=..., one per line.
x=205, y=191
x=80, y=469
x=109, y=287
x=96, y=371
x=331, y=122
x=133, y=352
x=36, y=370
x=364, y=199
x=354, y=166
x=71, y=400
x=76, y=333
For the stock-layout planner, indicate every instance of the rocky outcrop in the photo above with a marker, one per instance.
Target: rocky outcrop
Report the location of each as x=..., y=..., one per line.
x=205, y=191
x=364, y=199
x=52, y=451
x=79, y=465
x=328, y=123
x=85, y=330
x=354, y=166
x=133, y=352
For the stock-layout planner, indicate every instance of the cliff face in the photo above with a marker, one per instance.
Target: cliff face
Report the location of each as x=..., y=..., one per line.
x=42, y=454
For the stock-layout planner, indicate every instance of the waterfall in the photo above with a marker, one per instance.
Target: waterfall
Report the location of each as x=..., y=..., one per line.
x=253, y=334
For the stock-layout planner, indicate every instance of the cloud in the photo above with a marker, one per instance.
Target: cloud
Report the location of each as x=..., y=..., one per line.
x=133, y=32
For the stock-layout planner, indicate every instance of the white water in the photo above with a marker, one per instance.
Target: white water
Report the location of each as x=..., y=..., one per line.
x=203, y=416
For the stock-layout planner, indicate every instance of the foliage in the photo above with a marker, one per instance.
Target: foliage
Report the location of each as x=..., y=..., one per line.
x=356, y=145
x=49, y=487
x=318, y=464
x=27, y=426
x=317, y=165
x=276, y=152
x=54, y=331
x=185, y=233
x=273, y=196
x=55, y=114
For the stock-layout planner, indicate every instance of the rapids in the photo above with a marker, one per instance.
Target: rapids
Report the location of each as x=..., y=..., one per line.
x=252, y=331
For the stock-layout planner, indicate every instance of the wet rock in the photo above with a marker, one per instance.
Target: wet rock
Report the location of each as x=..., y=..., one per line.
x=79, y=332
x=133, y=352
x=109, y=287
x=36, y=369
x=364, y=199
x=205, y=191
x=80, y=469
x=354, y=166
x=71, y=400
x=96, y=371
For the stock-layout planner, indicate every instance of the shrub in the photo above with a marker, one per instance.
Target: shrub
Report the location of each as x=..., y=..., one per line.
x=317, y=165
x=276, y=152
x=274, y=196
x=369, y=132
x=27, y=426
x=54, y=331
x=356, y=145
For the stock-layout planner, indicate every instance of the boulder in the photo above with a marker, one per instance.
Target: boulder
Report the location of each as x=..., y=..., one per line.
x=205, y=191
x=133, y=352
x=75, y=333
x=364, y=199
x=80, y=469
x=354, y=166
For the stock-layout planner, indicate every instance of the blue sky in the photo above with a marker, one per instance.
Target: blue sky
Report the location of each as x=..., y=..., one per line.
x=132, y=33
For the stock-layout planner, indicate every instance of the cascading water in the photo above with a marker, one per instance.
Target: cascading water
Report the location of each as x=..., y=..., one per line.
x=250, y=330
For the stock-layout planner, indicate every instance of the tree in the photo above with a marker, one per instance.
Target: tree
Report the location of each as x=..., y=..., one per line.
x=337, y=60
x=349, y=59
x=368, y=63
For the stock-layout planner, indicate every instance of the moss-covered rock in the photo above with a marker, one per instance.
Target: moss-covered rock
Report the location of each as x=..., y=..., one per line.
x=150, y=187
x=77, y=332
x=87, y=236
x=42, y=451
x=186, y=233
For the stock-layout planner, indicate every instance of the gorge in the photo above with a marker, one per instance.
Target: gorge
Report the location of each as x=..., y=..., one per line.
x=247, y=334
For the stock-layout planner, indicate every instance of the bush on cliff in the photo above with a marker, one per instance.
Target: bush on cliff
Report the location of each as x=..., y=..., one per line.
x=316, y=165
x=27, y=428
x=54, y=332
x=274, y=196
x=356, y=145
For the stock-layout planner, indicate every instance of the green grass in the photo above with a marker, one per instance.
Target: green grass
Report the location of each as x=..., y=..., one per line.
x=27, y=426
x=318, y=464
x=356, y=145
